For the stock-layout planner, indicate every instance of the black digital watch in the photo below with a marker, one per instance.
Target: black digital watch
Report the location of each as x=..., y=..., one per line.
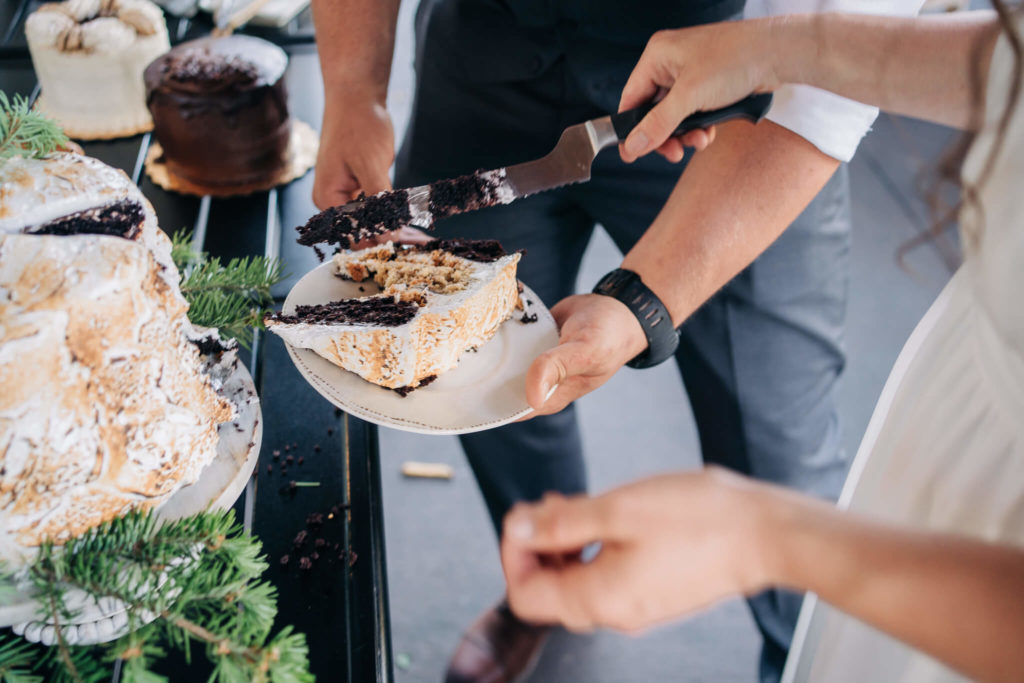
x=662, y=338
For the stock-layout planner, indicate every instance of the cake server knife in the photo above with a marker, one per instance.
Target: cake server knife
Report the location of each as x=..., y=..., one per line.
x=569, y=162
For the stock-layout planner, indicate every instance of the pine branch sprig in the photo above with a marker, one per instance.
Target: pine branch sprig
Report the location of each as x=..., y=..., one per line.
x=17, y=661
x=232, y=297
x=25, y=132
x=194, y=579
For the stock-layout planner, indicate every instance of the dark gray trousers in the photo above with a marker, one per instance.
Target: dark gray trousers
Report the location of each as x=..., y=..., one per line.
x=760, y=360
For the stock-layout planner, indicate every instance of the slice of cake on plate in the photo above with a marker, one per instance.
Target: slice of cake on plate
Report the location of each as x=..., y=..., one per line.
x=111, y=399
x=436, y=301
x=89, y=56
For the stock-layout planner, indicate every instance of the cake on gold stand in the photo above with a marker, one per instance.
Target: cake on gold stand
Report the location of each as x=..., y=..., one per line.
x=302, y=148
x=221, y=119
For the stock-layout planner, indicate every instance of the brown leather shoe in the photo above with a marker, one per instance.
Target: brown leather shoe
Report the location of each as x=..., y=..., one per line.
x=497, y=648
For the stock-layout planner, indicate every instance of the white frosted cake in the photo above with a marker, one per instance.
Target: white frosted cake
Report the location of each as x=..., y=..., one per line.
x=110, y=396
x=436, y=301
x=89, y=56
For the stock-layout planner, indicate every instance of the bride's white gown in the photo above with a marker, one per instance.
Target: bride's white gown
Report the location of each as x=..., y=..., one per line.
x=945, y=447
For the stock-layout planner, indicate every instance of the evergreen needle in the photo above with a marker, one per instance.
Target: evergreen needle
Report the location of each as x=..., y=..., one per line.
x=24, y=132
x=200, y=577
x=232, y=297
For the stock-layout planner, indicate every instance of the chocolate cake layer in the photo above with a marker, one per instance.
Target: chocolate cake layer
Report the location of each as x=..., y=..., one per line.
x=484, y=251
x=121, y=219
x=382, y=310
x=220, y=109
x=465, y=193
x=376, y=215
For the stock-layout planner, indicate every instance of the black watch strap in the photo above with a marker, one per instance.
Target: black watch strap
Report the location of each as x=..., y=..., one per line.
x=662, y=338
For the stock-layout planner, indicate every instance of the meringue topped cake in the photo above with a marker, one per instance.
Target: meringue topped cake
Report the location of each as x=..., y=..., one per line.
x=89, y=56
x=111, y=398
x=435, y=301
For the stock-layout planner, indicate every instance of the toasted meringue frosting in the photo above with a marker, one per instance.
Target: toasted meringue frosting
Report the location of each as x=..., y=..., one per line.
x=107, y=404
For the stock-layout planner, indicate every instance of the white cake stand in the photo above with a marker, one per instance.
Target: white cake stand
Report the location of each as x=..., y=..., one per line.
x=219, y=486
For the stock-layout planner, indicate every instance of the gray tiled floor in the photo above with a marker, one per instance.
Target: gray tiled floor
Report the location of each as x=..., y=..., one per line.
x=442, y=559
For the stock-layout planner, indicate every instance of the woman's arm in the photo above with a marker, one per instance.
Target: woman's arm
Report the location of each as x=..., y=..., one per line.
x=960, y=600
x=931, y=67
x=676, y=543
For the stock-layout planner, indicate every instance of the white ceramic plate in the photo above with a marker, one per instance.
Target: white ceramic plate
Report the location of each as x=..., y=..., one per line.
x=487, y=389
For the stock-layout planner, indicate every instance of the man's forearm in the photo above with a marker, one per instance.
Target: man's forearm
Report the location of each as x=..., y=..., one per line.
x=960, y=600
x=356, y=41
x=734, y=200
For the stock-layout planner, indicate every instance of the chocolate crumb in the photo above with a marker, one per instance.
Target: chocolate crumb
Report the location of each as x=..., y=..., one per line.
x=405, y=391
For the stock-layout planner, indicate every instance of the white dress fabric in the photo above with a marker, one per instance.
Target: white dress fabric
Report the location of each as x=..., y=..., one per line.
x=945, y=448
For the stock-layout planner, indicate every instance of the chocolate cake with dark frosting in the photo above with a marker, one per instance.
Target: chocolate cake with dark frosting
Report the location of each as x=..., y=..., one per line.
x=220, y=110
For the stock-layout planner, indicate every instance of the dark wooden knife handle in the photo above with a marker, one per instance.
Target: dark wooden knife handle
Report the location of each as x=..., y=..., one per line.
x=753, y=107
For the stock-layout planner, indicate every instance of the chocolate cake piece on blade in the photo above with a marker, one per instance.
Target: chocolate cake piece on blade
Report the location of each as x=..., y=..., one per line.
x=418, y=207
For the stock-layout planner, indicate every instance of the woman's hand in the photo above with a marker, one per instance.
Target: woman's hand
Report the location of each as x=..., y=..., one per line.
x=669, y=545
x=598, y=336
x=696, y=69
